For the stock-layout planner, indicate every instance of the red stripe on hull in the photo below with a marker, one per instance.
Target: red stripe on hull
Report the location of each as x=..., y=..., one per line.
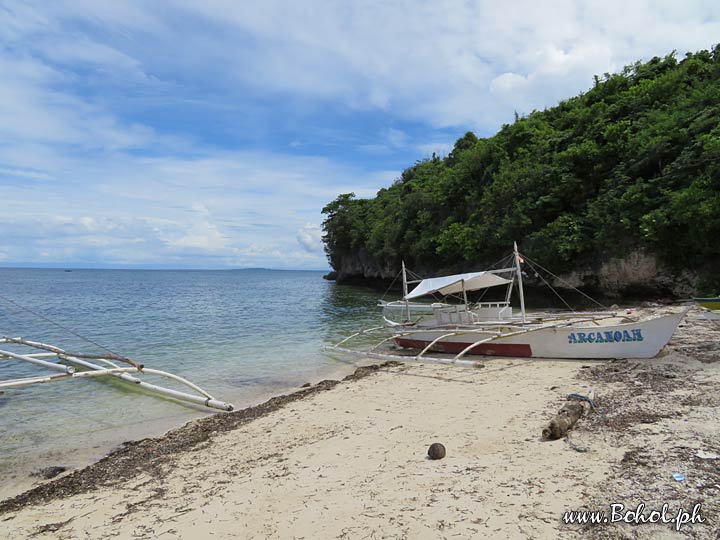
x=485, y=349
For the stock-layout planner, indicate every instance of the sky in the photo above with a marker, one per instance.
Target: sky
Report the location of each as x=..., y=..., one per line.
x=187, y=134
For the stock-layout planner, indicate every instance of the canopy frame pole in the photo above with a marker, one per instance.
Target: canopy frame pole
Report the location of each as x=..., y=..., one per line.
x=520, y=283
x=405, y=292
x=464, y=294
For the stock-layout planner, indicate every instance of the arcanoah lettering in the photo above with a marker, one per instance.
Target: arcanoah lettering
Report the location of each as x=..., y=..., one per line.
x=605, y=337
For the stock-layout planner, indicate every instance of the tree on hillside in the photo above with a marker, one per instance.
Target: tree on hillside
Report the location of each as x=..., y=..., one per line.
x=632, y=163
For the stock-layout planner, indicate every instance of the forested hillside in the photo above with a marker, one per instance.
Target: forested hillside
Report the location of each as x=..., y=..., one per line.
x=632, y=165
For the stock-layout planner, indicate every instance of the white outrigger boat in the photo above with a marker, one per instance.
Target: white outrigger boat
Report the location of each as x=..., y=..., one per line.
x=75, y=365
x=491, y=328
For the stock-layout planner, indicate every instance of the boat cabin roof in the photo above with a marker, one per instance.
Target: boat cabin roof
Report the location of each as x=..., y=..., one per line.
x=457, y=283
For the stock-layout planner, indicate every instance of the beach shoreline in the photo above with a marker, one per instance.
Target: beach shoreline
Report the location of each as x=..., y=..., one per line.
x=346, y=459
x=26, y=471
x=117, y=465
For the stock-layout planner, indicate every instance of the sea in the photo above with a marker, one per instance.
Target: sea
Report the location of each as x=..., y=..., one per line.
x=242, y=335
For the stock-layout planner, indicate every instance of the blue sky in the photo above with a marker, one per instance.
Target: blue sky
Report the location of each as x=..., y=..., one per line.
x=210, y=134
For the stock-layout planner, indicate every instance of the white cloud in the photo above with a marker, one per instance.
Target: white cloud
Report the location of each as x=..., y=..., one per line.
x=506, y=83
x=203, y=236
x=435, y=61
x=396, y=137
x=239, y=208
x=33, y=110
x=440, y=149
x=310, y=238
x=90, y=170
x=24, y=173
x=444, y=63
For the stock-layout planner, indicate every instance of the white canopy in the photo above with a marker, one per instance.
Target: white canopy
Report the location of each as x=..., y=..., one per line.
x=454, y=284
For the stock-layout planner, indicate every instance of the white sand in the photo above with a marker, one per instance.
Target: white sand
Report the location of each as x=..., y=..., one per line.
x=351, y=462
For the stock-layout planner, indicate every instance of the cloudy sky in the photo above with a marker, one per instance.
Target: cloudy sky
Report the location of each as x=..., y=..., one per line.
x=209, y=134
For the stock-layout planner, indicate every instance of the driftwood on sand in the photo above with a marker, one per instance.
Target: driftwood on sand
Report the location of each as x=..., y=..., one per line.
x=575, y=408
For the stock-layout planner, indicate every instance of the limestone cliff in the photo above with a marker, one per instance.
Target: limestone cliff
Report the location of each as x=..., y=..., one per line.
x=639, y=274
x=361, y=267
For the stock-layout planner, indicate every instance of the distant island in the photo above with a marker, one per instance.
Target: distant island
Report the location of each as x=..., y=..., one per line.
x=618, y=189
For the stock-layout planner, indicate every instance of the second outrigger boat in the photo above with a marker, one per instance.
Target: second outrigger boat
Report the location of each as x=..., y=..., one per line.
x=491, y=328
x=76, y=365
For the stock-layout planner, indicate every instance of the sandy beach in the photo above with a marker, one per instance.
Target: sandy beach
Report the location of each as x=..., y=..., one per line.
x=348, y=459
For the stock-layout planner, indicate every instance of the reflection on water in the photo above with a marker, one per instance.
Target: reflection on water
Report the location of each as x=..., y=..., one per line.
x=242, y=335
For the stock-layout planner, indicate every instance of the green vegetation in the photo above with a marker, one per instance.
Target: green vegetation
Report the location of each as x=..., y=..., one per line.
x=632, y=163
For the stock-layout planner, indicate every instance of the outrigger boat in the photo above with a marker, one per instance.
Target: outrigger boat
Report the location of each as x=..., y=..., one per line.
x=76, y=365
x=710, y=308
x=709, y=303
x=491, y=328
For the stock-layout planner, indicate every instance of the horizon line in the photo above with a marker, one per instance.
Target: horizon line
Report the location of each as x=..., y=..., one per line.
x=90, y=266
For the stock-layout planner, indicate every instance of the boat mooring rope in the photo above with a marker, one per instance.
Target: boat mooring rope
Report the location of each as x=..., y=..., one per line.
x=561, y=279
x=580, y=397
x=115, y=355
x=538, y=274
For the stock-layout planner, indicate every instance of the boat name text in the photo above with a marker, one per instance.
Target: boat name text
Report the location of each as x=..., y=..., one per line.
x=605, y=337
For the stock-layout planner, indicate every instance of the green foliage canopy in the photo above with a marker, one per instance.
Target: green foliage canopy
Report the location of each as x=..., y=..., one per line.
x=632, y=163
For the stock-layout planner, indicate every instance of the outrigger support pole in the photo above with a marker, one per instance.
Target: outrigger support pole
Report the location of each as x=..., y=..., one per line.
x=31, y=359
x=95, y=370
x=59, y=351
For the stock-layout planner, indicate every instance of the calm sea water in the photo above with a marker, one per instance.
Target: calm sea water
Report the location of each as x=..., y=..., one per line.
x=242, y=335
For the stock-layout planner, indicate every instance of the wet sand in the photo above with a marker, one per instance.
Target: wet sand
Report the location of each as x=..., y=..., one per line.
x=94, y=439
x=347, y=459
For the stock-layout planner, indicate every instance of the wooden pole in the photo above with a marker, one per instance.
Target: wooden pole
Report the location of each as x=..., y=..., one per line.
x=405, y=293
x=520, y=283
x=571, y=412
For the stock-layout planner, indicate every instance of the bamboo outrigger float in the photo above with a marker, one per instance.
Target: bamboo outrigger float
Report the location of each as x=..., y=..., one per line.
x=492, y=329
x=73, y=365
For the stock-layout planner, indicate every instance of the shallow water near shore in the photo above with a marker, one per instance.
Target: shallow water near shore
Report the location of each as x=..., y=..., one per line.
x=242, y=335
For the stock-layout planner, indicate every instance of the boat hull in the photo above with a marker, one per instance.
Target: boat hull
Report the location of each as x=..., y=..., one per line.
x=644, y=339
x=455, y=347
x=710, y=303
